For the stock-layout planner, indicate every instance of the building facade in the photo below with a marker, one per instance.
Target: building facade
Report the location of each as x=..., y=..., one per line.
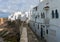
x=45, y=21
x=3, y=20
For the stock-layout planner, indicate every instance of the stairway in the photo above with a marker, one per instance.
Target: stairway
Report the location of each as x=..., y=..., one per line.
x=3, y=33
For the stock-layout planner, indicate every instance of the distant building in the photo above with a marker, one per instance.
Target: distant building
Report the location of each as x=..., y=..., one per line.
x=14, y=16
x=17, y=15
x=3, y=20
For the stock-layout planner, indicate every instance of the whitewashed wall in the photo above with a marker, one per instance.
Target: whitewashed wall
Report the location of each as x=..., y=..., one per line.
x=54, y=24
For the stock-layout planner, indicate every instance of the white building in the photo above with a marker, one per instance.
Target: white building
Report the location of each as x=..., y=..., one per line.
x=14, y=16
x=17, y=15
x=45, y=20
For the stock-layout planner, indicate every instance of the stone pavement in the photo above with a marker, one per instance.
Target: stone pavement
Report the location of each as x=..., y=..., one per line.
x=1, y=39
x=28, y=35
x=31, y=36
x=24, y=35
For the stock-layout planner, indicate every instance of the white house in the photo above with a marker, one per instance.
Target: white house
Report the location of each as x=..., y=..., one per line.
x=11, y=17
x=45, y=21
x=17, y=15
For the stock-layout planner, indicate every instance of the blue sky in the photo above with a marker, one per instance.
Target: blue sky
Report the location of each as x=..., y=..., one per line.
x=16, y=5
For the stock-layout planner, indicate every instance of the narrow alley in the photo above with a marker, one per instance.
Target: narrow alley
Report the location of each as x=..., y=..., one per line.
x=17, y=32
x=28, y=35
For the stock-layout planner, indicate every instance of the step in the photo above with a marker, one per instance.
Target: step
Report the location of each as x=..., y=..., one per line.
x=3, y=32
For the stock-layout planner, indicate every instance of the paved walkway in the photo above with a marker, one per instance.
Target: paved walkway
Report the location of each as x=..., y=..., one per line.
x=28, y=35
x=1, y=39
x=24, y=35
x=31, y=36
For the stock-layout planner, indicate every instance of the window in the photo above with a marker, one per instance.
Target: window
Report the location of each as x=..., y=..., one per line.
x=38, y=15
x=52, y=13
x=36, y=8
x=38, y=25
x=41, y=31
x=42, y=15
x=56, y=13
x=47, y=31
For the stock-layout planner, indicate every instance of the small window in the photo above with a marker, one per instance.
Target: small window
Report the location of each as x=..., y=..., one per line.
x=42, y=15
x=41, y=26
x=38, y=15
x=38, y=25
x=56, y=13
x=47, y=31
x=36, y=8
x=35, y=16
x=52, y=13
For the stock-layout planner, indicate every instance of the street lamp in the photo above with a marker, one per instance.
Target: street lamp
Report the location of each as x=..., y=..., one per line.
x=46, y=8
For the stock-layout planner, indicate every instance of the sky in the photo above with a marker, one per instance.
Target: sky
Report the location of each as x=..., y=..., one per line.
x=4, y=14
x=16, y=5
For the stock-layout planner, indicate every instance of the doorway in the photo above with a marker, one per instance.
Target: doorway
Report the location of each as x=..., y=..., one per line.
x=41, y=31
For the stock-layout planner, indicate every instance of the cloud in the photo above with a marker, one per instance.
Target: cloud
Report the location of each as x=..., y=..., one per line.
x=15, y=5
